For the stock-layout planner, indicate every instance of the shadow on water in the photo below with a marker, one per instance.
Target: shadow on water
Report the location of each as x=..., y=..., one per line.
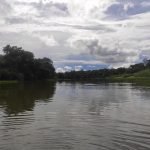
x=21, y=97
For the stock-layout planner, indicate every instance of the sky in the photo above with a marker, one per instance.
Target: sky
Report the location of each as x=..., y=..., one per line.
x=78, y=34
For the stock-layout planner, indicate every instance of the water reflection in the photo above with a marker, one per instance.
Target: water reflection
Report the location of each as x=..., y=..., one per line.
x=86, y=116
x=19, y=98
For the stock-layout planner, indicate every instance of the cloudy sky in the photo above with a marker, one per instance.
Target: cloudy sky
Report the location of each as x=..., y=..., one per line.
x=78, y=34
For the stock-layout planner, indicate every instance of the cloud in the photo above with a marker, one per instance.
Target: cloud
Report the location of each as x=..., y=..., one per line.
x=47, y=39
x=85, y=33
x=50, y=9
x=60, y=70
x=64, y=69
x=15, y=20
x=78, y=68
x=68, y=69
x=27, y=41
x=5, y=9
x=115, y=54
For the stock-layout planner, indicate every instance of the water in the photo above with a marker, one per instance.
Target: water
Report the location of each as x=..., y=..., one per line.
x=74, y=116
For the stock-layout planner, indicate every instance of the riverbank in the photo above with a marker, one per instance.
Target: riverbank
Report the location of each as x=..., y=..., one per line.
x=17, y=81
x=142, y=77
x=139, y=78
x=9, y=82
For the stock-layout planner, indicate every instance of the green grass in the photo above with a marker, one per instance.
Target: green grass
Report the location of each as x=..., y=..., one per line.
x=144, y=73
x=142, y=78
x=8, y=82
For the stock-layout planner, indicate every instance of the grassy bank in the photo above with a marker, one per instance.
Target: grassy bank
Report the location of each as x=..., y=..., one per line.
x=8, y=82
x=142, y=77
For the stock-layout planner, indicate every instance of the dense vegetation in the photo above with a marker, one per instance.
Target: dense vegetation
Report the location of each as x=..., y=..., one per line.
x=17, y=64
x=136, y=70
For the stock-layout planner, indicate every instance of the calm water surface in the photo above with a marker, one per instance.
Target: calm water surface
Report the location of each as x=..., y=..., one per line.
x=74, y=116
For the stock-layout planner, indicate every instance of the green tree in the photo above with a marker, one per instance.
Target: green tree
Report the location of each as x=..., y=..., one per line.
x=19, y=64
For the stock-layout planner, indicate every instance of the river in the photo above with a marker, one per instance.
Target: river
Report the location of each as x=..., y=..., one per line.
x=74, y=116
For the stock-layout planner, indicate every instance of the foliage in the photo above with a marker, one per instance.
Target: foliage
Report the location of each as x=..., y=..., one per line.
x=17, y=64
x=143, y=73
x=107, y=73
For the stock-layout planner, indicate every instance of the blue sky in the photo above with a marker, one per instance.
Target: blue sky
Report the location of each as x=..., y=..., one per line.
x=79, y=34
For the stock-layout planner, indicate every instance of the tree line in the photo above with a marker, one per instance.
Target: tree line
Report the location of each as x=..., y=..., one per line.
x=104, y=73
x=18, y=64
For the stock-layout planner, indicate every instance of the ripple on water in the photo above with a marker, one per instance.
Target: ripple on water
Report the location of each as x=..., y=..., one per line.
x=77, y=117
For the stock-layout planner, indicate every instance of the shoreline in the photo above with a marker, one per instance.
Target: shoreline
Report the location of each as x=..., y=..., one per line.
x=117, y=79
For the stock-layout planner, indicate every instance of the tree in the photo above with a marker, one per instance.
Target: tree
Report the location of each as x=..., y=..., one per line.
x=44, y=68
x=21, y=65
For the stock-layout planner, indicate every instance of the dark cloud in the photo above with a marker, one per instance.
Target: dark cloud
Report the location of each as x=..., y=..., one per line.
x=98, y=27
x=124, y=9
x=15, y=20
x=26, y=19
x=106, y=54
x=104, y=28
x=82, y=56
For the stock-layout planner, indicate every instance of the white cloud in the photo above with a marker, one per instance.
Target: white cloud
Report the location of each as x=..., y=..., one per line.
x=64, y=69
x=78, y=68
x=67, y=68
x=60, y=28
x=60, y=70
x=47, y=39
